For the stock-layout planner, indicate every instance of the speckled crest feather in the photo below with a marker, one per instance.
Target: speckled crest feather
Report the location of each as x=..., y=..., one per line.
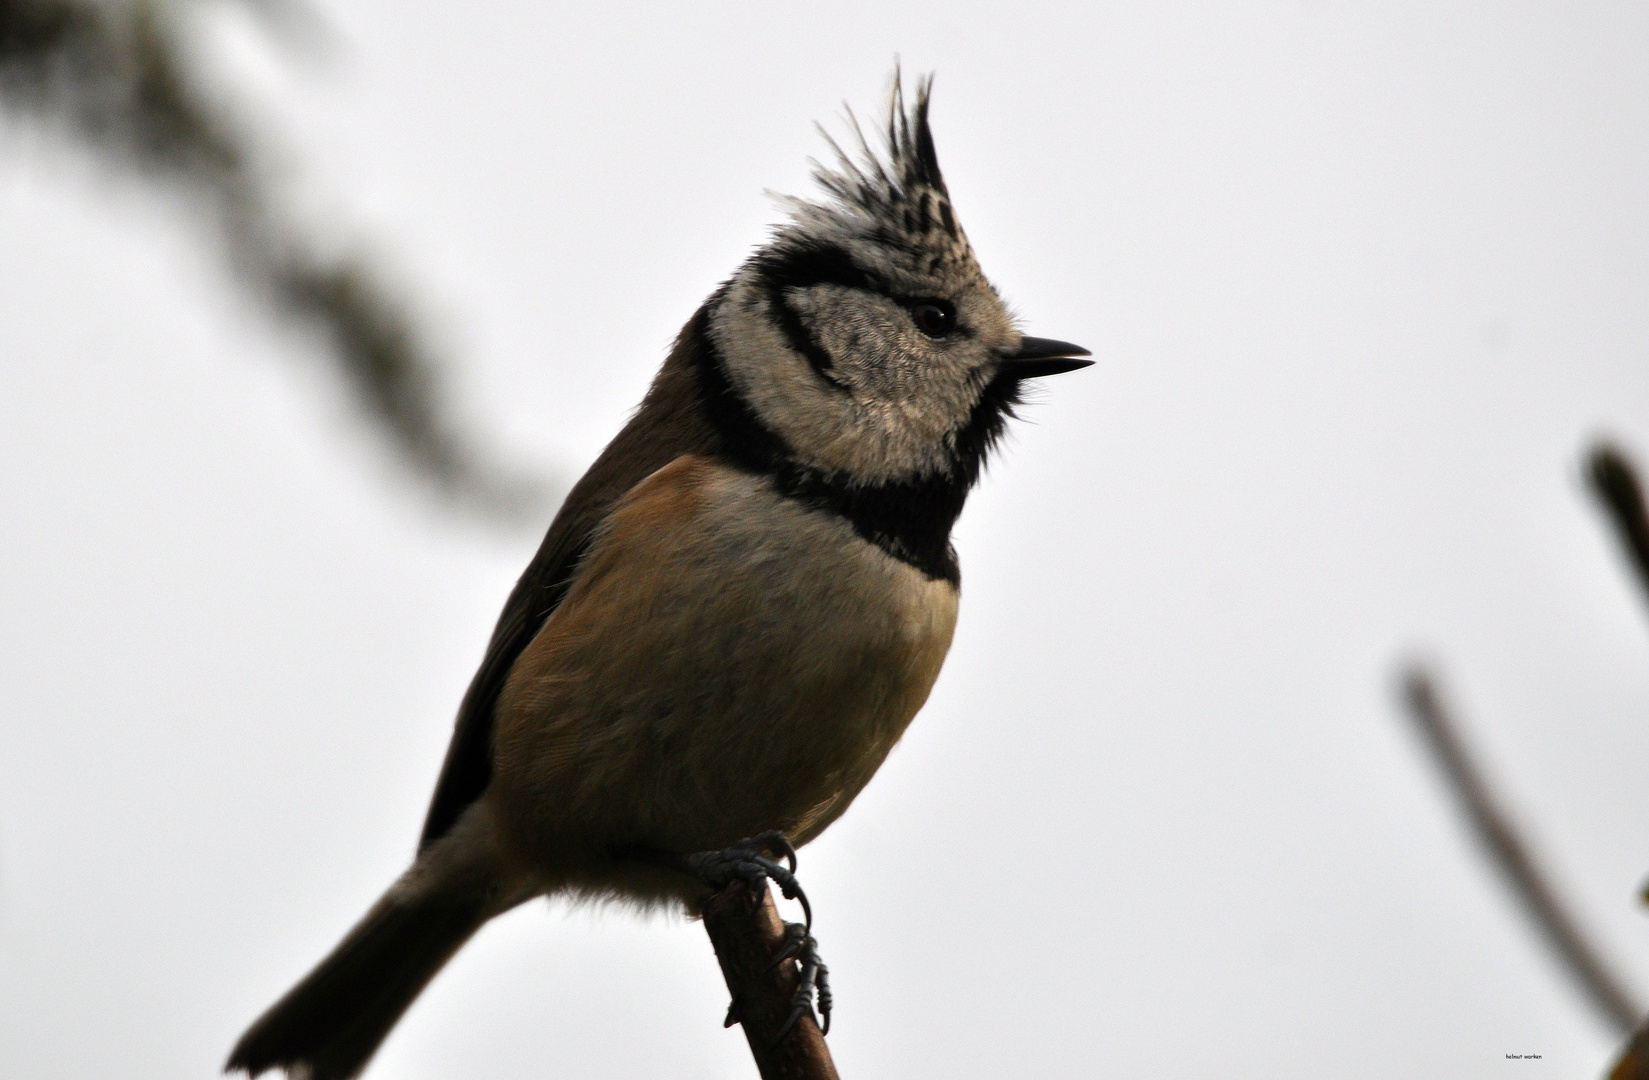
x=895, y=198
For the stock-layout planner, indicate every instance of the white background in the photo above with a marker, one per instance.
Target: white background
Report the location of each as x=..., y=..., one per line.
x=1363, y=281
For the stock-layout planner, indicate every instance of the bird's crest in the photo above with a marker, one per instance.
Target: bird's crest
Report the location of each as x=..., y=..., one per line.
x=895, y=198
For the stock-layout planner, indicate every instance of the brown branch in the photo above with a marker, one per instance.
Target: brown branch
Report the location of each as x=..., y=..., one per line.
x=1634, y=1060
x=1616, y=485
x=747, y=934
x=1615, y=482
x=1601, y=988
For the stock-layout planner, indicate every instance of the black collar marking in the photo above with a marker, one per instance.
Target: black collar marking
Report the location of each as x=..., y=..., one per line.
x=910, y=521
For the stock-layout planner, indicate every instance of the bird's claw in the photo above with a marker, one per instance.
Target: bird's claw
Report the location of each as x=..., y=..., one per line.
x=812, y=981
x=777, y=842
x=745, y=861
x=749, y=861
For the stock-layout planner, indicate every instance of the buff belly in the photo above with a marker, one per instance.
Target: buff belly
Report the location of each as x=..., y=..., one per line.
x=727, y=661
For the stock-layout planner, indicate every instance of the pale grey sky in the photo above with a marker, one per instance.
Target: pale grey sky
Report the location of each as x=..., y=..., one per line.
x=1363, y=281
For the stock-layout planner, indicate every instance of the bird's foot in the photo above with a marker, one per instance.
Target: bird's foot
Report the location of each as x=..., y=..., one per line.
x=813, y=980
x=753, y=862
x=749, y=861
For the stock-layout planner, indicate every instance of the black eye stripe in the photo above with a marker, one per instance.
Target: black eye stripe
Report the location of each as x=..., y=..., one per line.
x=803, y=266
x=800, y=267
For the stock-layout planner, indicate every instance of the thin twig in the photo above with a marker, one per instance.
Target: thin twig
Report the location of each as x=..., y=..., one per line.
x=1602, y=989
x=747, y=934
x=1615, y=482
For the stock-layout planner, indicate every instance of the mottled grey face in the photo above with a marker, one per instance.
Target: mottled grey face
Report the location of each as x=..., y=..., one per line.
x=865, y=334
x=866, y=381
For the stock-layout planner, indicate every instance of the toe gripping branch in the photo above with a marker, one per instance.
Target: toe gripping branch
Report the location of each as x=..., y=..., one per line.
x=813, y=976
x=746, y=861
x=749, y=861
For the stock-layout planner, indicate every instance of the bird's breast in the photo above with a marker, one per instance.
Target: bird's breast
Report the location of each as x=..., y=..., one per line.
x=727, y=660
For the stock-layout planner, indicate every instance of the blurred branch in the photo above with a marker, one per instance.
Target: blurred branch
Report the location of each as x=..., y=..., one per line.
x=116, y=77
x=747, y=934
x=1634, y=1060
x=1603, y=991
x=1616, y=485
x=1615, y=482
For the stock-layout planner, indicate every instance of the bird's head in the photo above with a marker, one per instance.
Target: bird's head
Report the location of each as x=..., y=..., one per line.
x=864, y=335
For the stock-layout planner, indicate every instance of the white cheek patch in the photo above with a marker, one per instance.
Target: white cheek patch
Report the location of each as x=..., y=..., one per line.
x=903, y=396
x=861, y=334
x=926, y=387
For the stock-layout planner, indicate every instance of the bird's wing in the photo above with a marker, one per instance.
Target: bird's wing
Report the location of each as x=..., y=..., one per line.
x=668, y=424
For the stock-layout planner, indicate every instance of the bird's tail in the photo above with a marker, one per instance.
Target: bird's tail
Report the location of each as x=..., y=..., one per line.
x=330, y=1024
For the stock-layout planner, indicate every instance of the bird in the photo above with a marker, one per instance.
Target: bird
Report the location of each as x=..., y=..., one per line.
x=737, y=610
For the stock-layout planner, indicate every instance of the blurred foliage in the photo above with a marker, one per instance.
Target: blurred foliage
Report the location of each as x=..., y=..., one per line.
x=117, y=78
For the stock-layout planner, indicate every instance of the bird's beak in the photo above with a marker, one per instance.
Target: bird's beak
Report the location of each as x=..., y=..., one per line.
x=1038, y=356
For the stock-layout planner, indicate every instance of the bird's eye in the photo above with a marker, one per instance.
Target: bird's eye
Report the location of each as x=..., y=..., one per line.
x=935, y=318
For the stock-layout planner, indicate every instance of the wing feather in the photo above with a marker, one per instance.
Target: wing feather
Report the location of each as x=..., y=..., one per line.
x=670, y=422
